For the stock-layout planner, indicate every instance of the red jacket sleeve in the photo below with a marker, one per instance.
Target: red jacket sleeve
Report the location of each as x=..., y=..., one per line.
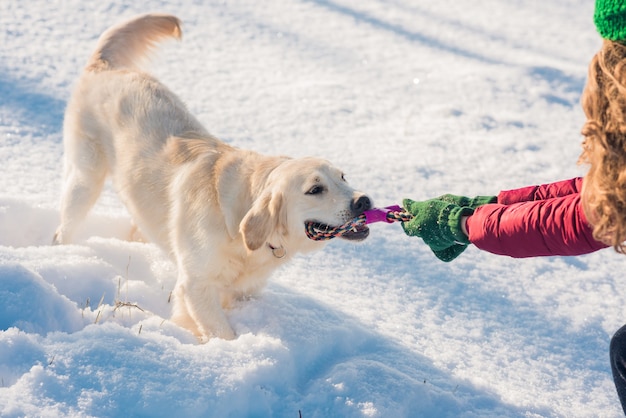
x=552, y=226
x=541, y=192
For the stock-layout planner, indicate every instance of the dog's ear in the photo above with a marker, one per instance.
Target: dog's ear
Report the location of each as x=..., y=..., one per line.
x=268, y=214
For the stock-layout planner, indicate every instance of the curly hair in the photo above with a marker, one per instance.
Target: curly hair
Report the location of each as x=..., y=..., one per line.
x=604, y=145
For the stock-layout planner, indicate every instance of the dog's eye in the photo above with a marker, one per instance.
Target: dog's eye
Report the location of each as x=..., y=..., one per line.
x=315, y=190
x=343, y=177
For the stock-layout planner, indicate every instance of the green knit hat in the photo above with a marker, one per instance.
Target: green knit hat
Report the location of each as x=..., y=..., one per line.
x=610, y=19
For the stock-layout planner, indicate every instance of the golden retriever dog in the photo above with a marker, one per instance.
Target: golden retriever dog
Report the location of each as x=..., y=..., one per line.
x=227, y=216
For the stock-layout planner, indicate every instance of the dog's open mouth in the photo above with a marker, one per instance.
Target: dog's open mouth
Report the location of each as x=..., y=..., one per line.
x=357, y=233
x=350, y=231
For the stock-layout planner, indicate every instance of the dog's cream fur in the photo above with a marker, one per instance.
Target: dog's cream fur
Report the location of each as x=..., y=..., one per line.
x=227, y=216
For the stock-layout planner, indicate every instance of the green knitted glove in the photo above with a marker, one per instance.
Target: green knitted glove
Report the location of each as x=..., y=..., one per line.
x=472, y=203
x=438, y=223
x=450, y=253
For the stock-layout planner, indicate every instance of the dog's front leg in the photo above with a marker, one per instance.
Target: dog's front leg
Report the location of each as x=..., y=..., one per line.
x=197, y=307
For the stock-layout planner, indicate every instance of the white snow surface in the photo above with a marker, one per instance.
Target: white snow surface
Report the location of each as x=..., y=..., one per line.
x=411, y=99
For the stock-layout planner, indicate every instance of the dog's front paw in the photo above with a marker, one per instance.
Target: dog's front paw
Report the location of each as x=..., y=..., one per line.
x=203, y=339
x=224, y=332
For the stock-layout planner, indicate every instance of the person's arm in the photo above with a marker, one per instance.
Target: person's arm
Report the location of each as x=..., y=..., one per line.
x=553, y=226
x=541, y=192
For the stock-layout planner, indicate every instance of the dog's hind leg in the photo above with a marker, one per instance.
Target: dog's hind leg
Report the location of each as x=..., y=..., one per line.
x=85, y=172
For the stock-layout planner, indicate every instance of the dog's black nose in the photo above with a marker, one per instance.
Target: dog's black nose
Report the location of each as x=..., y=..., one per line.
x=360, y=205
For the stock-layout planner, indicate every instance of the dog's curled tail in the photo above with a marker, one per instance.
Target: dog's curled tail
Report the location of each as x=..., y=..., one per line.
x=128, y=44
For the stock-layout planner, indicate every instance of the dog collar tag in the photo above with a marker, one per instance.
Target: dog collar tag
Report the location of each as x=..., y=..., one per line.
x=278, y=252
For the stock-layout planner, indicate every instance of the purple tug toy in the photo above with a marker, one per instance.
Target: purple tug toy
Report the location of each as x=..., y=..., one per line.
x=320, y=232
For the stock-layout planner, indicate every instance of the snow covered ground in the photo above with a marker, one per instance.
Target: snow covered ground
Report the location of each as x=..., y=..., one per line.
x=410, y=98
